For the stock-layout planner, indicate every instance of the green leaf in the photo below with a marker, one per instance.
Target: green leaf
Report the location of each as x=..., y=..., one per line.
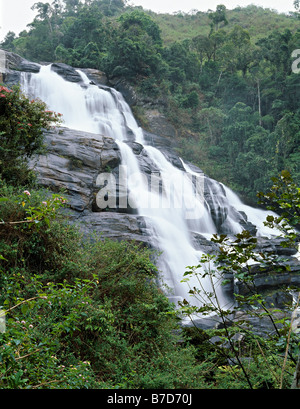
x=24, y=308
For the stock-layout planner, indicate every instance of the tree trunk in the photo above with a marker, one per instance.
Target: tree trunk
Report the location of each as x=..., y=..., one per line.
x=296, y=380
x=259, y=102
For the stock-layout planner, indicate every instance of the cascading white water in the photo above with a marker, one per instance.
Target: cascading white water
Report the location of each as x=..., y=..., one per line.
x=254, y=215
x=169, y=213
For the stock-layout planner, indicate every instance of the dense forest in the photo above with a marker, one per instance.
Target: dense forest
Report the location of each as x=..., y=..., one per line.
x=224, y=77
x=89, y=314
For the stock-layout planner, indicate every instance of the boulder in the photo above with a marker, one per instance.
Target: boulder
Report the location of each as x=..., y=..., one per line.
x=9, y=61
x=27, y=66
x=72, y=163
x=136, y=147
x=277, y=245
x=11, y=66
x=126, y=90
x=97, y=77
x=266, y=278
x=115, y=226
x=204, y=244
x=67, y=72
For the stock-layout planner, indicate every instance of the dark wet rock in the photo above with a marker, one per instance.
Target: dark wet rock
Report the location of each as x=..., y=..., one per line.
x=27, y=66
x=11, y=66
x=97, y=77
x=73, y=161
x=126, y=90
x=156, y=140
x=159, y=125
x=67, y=72
x=135, y=146
x=115, y=226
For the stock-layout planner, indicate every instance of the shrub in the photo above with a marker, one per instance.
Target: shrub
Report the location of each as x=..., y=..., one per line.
x=69, y=301
x=22, y=123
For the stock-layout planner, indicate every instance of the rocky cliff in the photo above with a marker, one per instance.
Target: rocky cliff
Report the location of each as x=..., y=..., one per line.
x=74, y=159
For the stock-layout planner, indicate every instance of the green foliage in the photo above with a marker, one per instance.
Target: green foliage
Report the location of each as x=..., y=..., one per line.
x=22, y=122
x=133, y=51
x=88, y=314
x=138, y=20
x=81, y=314
x=257, y=20
x=33, y=353
x=283, y=198
x=217, y=17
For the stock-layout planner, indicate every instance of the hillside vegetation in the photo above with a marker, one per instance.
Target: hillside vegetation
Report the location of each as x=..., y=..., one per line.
x=83, y=314
x=88, y=313
x=257, y=21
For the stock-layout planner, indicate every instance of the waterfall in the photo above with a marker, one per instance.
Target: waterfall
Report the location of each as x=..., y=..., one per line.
x=175, y=204
x=254, y=215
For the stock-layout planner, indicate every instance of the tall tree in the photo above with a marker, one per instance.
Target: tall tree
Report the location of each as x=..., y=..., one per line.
x=218, y=17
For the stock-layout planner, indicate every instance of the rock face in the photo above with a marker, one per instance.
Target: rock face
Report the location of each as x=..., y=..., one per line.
x=11, y=65
x=73, y=161
x=67, y=72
